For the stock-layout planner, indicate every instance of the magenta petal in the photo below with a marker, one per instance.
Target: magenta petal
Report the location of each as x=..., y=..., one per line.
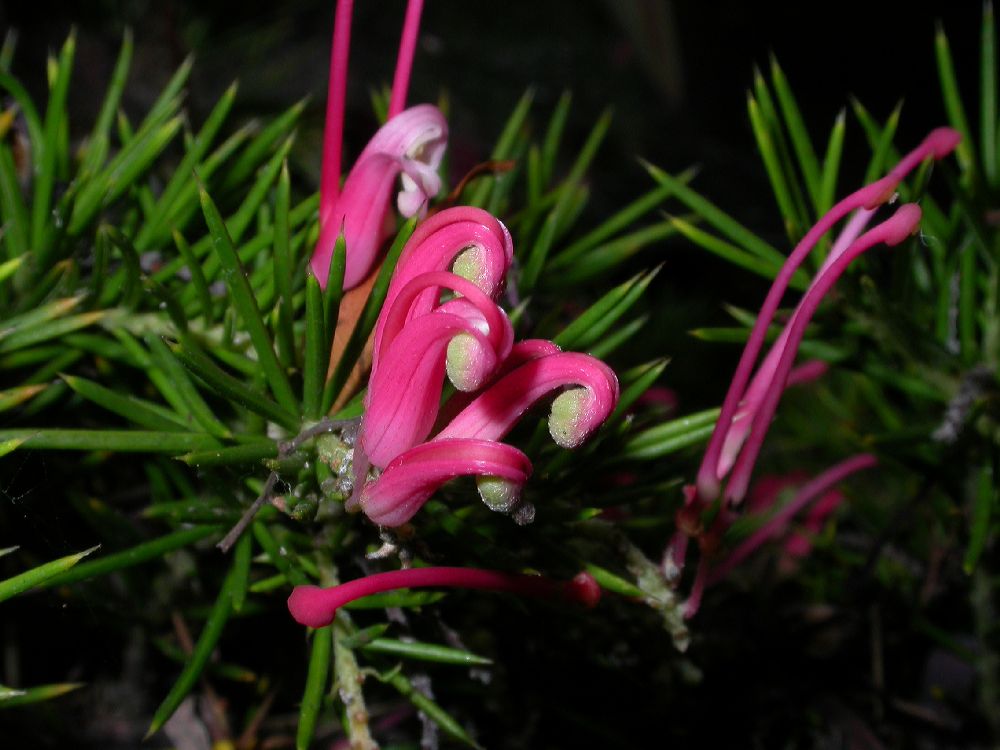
x=410, y=144
x=361, y=212
x=411, y=478
x=401, y=312
x=437, y=242
x=497, y=410
x=483, y=242
x=419, y=133
x=404, y=395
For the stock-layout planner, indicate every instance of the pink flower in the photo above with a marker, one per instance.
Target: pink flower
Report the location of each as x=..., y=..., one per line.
x=750, y=405
x=419, y=340
x=411, y=478
x=404, y=390
x=576, y=412
x=464, y=240
x=768, y=384
x=409, y=147
x=316, y=607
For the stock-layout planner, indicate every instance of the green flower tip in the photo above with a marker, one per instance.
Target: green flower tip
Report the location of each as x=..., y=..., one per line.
x=568, y=411
x=469, y=264
x=460, y=363
x=499, y=494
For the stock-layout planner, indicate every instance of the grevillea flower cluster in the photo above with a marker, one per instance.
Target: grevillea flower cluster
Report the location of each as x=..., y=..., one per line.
x=422, y=339
x=750, y=404
x=440, y=320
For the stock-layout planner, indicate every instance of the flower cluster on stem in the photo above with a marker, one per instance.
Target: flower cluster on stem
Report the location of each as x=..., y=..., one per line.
x=440, y=319
x=421, y=339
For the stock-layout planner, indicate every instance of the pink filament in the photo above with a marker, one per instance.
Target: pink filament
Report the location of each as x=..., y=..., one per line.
x=333, y=136
x=404, y=61
x=809, y=492
x=316, y=607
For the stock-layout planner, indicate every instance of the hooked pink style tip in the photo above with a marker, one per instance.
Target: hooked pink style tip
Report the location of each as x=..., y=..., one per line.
x=942, y=141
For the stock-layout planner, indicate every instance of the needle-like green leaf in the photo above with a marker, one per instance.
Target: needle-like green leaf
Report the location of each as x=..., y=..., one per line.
x=199, y=657
x=154, y=549
x=125, y=441
x=431, y=652
x=11, y=698
x=953, y=101
x=36, y=576
x=316, y=683
x=246, y=306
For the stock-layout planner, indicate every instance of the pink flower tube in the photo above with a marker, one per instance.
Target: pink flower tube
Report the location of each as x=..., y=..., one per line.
x=575, y=414
x=754, y=397
x=402, y=403
x=467, y=241
x=397, y=314
x=316, y=607
x=521, y=352
x=411, y=478
x=410, y=145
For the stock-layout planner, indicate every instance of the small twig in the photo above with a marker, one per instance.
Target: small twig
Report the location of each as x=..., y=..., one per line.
x=237, y=531
x=284, y=450
x=322, y=426
x=182, y=632
x=248, y=738
x=493, y=167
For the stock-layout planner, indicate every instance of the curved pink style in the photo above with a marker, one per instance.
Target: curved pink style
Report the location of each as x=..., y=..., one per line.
x=412, y=477
x=891, y=232
x=402, y=402
x=404, y=60
x=482, y=241
x=397, y=316
x=497, y=410
x=333, y=133
x=410, y=144
x=316, y=607
x=937, y=144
